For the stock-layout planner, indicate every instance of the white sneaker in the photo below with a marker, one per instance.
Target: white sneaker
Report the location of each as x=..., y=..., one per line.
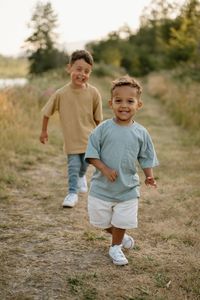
x=128, y=242
x=118, y=257
x=82, y=184
x=70, y=200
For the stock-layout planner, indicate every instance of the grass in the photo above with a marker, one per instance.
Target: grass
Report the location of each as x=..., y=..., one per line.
x=48, y=252
x=13, y=67
x=181, y=99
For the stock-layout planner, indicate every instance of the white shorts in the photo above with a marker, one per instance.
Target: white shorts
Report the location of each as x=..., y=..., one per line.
x=105, y=214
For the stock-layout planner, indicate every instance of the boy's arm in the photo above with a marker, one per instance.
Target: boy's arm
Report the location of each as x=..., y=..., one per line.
x=44, y=133
x=97, y=109
x=149, y=177
x=105, y=170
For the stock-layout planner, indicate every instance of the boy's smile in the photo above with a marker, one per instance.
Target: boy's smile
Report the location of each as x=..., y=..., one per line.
x=80, y=72
x=125, y=103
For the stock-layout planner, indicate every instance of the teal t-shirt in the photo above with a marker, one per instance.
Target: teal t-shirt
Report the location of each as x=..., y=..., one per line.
x=120, y=148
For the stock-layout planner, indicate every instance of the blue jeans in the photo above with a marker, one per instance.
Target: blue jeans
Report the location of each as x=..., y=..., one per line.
x=77, y=167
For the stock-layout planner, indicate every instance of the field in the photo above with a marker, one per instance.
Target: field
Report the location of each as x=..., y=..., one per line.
x=47, y=252
x=13, y=67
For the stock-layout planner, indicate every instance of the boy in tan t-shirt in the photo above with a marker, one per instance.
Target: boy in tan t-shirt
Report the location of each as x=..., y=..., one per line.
x=80, y=110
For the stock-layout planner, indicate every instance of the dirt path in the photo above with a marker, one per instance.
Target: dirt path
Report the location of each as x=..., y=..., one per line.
x=48, y=252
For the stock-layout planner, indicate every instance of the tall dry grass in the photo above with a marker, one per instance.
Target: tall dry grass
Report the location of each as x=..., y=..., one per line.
x=17, y=120
x=13, y=67
x=20, y=125
x=181, y=98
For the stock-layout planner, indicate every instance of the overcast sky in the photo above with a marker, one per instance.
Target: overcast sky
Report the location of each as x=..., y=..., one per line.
x=78, y=21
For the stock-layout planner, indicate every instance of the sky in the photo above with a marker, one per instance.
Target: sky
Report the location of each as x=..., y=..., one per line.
x=79, y=21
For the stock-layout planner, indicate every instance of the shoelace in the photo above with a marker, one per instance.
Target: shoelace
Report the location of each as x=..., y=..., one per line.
x=119, y=253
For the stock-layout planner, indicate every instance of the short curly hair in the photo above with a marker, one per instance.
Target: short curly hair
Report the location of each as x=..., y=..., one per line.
x=126, y=81
x=81, y=54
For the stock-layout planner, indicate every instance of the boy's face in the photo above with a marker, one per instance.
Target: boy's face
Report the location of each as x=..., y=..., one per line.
x=125, y=103
x=80, y=72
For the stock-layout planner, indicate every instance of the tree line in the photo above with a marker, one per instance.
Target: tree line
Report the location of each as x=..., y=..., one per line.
x=168, y=37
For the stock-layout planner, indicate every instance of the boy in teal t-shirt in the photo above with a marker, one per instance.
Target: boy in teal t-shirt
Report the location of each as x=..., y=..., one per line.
x=114, y=148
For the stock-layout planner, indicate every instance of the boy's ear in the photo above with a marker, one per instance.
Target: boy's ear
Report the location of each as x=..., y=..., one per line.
x=140, y=104
x=110, y=103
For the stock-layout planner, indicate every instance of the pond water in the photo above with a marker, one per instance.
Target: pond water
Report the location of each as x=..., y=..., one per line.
x=9, y=82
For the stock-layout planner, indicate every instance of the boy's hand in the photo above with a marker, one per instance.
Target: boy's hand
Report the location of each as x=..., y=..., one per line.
x=150, y=181
x=44, y=137
x=110, y=174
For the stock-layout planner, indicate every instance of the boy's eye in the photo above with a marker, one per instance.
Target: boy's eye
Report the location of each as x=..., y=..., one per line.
x=87, y=71
x=82, y=70
x=131, y=101
x=117, y=100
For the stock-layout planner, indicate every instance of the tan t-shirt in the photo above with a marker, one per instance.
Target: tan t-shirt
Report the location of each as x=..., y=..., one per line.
x=78, y=110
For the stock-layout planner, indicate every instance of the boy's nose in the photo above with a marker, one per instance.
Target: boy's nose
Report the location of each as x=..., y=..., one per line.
x=124, y=104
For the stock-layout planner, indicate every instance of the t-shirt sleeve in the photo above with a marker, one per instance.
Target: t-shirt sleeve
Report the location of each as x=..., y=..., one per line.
x=94, y=142
x=51, y=106
x=147, y=156
x=97, y=107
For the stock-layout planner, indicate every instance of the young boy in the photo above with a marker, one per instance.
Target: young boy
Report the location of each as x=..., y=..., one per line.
x=80, y=110
x=114, y=148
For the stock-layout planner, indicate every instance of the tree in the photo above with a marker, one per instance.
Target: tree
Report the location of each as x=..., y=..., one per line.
x=42, y=50
x=168, y=37
x=185, y=40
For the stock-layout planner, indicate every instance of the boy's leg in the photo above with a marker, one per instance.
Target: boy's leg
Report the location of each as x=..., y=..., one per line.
x=100, y=215
x=74, y=166
x=124, y=217
x=84, y=165
x=82, y=180
x=117, y=235
x=115, y=250
x=127, y=241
